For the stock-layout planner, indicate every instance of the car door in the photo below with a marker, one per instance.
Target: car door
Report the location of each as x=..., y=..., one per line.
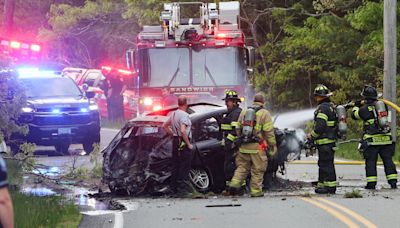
x=209, y=154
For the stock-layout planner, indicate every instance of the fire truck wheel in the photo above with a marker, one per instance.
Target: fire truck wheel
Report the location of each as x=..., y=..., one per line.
x=62, y=148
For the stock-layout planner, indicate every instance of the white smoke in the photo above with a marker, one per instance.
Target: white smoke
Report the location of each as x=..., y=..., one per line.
x=293, y=120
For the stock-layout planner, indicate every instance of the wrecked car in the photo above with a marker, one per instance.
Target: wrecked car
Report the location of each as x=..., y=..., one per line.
x=138, y=160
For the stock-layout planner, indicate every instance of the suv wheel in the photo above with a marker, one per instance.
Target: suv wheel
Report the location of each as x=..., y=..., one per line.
x=200, y=179
x=88, y=145
x=62, y=148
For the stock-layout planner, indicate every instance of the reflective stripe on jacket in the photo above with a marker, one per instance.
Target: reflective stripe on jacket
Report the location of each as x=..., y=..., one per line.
x=263, y=129
x=325, y=124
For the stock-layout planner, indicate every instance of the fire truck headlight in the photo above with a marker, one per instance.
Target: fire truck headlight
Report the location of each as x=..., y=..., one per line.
x=157, y=108
x=27, y=109
x=148, y=101
x=93, y=107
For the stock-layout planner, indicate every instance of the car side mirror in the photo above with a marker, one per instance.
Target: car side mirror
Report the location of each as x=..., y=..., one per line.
x=250, y=56
x=90, y=94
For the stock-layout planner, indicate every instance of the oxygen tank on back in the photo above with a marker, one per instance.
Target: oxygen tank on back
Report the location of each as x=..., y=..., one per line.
x=382, y=114
x=342, y=121
x=248, y=124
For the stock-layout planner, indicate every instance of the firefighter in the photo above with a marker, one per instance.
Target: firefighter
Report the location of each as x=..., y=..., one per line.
x=377, y=139
x=256, y=141
x=325, y=136
x=229, y=127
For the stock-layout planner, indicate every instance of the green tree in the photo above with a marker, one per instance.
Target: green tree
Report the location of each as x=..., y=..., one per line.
x=89, y=35
x=12, y=100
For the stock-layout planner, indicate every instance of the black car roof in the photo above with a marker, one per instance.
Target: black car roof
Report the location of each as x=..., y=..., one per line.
x=194, y=117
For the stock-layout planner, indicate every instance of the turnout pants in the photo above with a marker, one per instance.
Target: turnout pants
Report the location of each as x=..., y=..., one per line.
x=386, y=153
x=229, y=162
x=256, y=164
x=326, y=172
x=181, y=162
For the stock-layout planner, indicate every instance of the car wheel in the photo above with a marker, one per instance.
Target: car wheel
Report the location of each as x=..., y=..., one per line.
x=88, y=147
x=62, y=148
x=200, y=179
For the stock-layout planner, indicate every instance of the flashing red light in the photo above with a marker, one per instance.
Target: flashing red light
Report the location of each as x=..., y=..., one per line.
x=127, y=72
x=107, y=68
x=15, y=44
x=35, y=47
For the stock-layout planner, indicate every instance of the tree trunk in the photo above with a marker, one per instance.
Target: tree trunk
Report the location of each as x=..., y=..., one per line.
x=8, y=16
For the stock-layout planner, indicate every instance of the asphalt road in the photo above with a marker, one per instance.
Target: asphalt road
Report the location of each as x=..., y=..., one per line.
x=280, y=208
x=300, y=208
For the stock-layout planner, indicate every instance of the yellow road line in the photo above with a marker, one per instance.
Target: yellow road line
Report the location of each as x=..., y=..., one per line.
x=336, y=163
x=353, y=214
x=331, y=211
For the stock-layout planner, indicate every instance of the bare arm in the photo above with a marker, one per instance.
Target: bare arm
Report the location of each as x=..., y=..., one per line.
x=167, y=127
x=185, y=136
x=6, y=209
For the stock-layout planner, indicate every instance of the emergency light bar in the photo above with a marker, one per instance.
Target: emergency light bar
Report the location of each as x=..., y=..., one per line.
x=35, y=73
x=121, y=71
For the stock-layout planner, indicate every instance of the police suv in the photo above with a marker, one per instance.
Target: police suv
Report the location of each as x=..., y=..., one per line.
x=57, y=112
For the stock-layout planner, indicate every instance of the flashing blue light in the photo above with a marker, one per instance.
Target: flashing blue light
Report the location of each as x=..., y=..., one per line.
x=84, y=110
x=56, y=111
x=34, y=72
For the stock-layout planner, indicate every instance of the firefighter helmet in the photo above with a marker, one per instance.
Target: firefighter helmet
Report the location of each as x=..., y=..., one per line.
x=322, y=91
x=370, y=92
x=231, y=95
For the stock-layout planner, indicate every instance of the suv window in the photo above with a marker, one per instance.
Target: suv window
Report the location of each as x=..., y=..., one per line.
x=93, y=79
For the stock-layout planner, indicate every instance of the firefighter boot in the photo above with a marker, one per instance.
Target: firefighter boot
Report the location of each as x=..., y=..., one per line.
x=371, y=185
x=393, y=184
x=325, y=190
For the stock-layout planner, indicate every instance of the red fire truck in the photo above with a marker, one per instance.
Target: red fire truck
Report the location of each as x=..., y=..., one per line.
x=200, y=55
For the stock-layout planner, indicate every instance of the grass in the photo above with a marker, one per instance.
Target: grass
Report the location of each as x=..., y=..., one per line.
x=353, y=194
x=34, y=211
x=50, y=211
x=350, y=151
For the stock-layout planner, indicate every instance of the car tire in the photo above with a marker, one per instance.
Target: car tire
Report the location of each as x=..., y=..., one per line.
x=62, y=148
x=88, y=144
x=88, y=147
x=200, y=179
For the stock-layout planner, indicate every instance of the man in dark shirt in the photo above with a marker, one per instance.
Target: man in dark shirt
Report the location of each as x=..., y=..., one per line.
x=115, y=96
x=6, y=207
